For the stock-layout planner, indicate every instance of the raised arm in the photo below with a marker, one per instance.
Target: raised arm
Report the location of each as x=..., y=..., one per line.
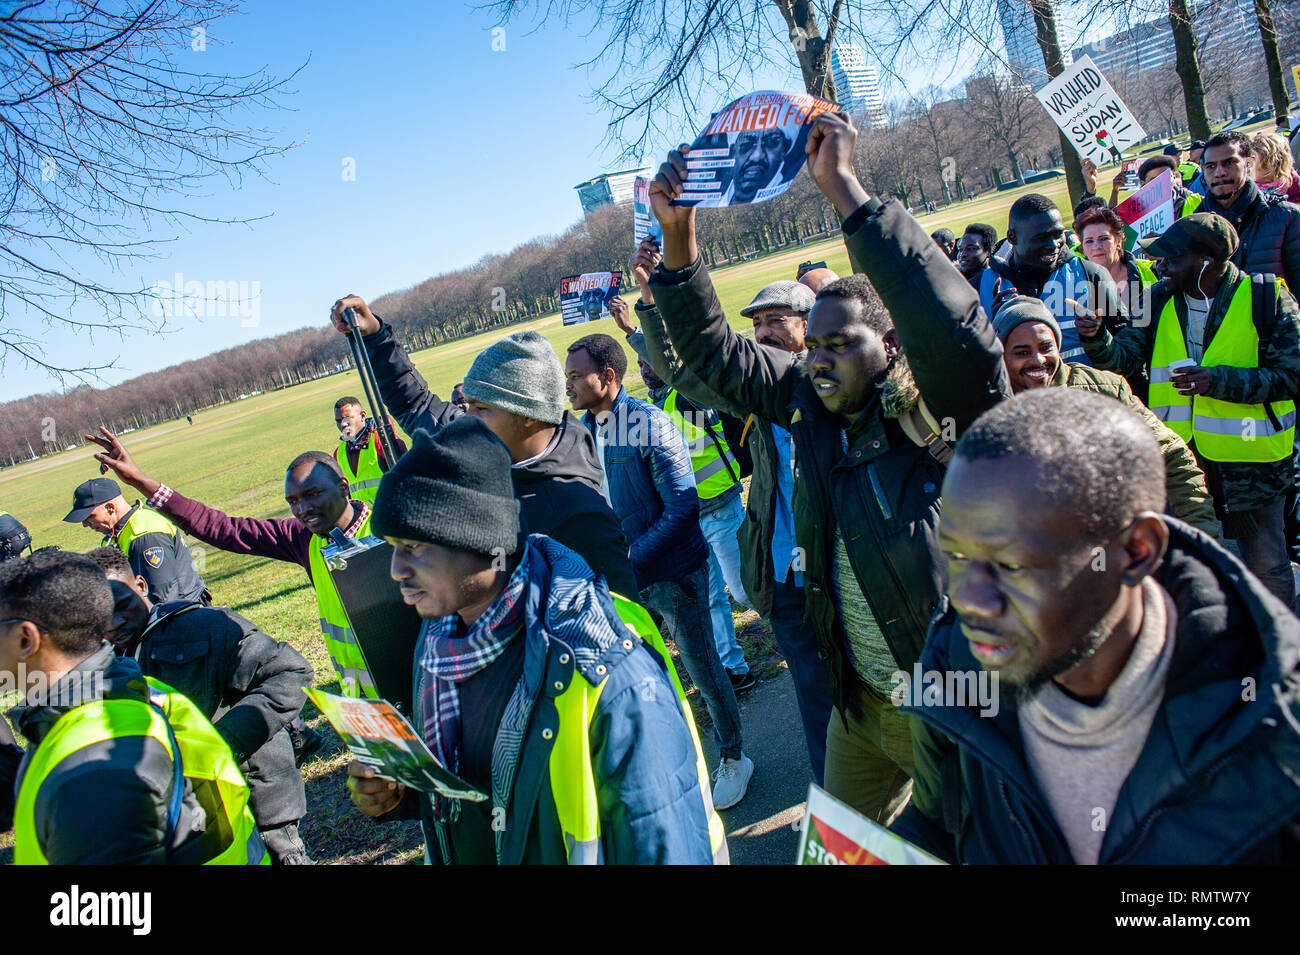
x=403, y=389
x=954, y=355
x=277, y=538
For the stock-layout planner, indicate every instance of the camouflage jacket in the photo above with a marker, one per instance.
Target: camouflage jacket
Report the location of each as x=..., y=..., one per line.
x=1237, y=486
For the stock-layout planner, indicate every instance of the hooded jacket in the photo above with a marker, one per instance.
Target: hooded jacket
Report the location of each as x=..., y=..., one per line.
x=1216, y=781
x=642, y=754
x=106, y=804
x=558, y=492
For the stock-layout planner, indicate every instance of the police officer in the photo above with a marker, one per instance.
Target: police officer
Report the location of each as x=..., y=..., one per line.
x=153, y=544
x=359, y=454
x=120, y=771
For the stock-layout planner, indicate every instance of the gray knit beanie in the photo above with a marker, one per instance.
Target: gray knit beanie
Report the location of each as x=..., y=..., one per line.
x=453, y=487
x=521, y=374
x=1020, y=309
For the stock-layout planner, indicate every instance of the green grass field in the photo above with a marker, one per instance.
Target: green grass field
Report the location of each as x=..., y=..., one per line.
x=234, y=458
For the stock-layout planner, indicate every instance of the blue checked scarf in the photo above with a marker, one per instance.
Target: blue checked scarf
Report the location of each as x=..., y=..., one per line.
x=450, y=659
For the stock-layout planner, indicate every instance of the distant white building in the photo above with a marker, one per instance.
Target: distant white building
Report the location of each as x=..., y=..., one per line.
x=609, y=188
x=858, y=84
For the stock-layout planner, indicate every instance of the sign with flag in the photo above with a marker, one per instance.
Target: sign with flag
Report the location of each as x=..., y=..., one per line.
x=1090, y=113
x=833, y=834
x=1149, y=211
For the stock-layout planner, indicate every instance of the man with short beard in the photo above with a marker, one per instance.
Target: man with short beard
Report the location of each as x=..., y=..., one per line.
x=1268, y=229
x=974, y=248
x=1146, y=684
x=866, y=501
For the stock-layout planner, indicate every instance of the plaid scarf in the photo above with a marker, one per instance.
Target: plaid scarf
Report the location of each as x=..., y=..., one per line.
x=450, y=659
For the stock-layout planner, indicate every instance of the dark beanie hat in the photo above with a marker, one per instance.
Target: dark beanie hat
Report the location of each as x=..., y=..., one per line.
x=454, y=488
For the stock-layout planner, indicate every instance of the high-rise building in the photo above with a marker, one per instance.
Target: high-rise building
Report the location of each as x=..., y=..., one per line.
x=1024, y=56
x=858, y=84
x=609, y=188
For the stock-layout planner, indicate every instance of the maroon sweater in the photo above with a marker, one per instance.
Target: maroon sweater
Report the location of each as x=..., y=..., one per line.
x=280, y=538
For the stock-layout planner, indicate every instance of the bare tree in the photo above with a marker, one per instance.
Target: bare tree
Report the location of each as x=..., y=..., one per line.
x=107, y=123
x=1272, y=60
x=1007, y=116
x=1189, y=69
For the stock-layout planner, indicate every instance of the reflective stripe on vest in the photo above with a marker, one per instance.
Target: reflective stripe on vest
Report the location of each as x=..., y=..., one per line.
x=205, y=758
x=573, y=784
x=364, y=484
x=345, y=654
x=710, y=456
x=1220, y=430
x=144, y=521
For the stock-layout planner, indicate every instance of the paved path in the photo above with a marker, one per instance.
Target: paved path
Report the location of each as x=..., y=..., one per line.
x=760, y=829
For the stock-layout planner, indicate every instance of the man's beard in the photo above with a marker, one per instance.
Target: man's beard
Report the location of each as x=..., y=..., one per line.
x=1083, y=648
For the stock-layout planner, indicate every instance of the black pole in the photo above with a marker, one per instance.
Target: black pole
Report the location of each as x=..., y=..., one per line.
x=371, y=387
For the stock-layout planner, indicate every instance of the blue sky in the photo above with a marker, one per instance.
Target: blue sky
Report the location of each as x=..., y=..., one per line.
x=459, y=151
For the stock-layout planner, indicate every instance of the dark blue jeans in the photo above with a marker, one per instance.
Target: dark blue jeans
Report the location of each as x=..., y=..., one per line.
x=812, y=681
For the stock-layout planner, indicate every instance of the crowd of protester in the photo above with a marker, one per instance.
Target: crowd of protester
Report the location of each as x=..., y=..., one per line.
x=1057, y=464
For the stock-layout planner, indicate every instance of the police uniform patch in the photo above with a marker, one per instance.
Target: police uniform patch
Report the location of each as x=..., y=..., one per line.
x=153, y=556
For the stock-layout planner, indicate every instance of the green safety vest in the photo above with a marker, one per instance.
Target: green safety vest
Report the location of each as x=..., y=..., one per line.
x=1220, y=430
x=1191, y=204
x=573, y=783
x=364, y=484
x=340, y=641
x=143, y=520
x=206, y=762
x=710, y=457
x=1146, y=272
x=1188, y=171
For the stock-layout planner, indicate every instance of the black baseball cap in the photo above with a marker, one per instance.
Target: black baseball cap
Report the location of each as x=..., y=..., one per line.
x=1173, y=149
x=89, y=495
x=1196, y=144
x=1202, y=233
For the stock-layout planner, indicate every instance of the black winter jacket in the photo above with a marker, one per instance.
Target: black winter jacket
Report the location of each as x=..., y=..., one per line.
x=1269, y=234
x=247, y=684
x=1216, y=781
x=878, y=488
x=559, y=493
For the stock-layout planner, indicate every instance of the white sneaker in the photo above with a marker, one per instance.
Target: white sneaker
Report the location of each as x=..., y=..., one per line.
x=731, y=780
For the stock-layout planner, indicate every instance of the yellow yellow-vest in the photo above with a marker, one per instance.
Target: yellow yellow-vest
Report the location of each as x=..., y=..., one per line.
x=1220, y=430
x=143, y=520
x=710, y=457
x=1146, y=273
x=1188, y=171
x=363, y=485
x=340, y=641
x=1191, y=204
x=572, y=781
x=205, y=760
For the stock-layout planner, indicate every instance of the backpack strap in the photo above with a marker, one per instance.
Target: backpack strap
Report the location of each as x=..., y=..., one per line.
x=921, y=427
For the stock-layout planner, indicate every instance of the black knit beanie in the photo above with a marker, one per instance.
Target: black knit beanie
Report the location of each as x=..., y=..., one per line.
x=453, y=488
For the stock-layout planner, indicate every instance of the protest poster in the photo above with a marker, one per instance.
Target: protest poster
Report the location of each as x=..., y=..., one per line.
x=1090, y=113
x=585, y=297
x=379, y=735
x=644, y=222
x=1130, y=168
x=1149, y=211
x=833, y=834
x=751, y=150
